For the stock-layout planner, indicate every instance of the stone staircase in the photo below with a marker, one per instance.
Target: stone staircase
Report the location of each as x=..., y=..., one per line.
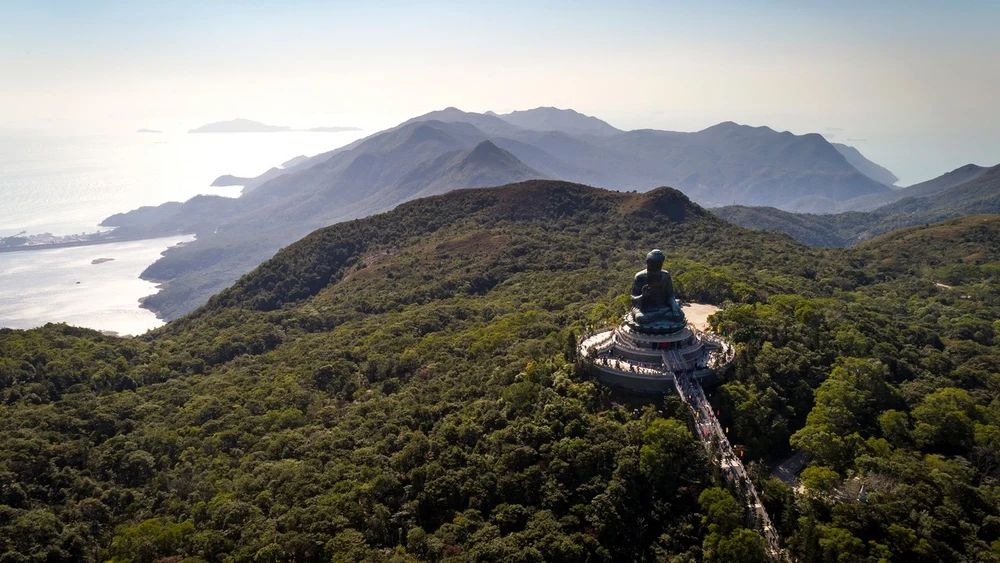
x=710, y=433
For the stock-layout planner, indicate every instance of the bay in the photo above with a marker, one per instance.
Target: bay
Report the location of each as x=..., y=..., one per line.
x=69, y=184
x=65, y=285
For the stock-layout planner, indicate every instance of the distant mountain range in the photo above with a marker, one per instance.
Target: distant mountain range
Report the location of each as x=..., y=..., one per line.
x=450, y=149
x=871, y=202
x=724, y=164
x=240, y=125
x=964, y=191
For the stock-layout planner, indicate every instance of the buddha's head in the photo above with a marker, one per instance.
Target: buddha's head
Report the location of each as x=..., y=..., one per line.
x=654, y=260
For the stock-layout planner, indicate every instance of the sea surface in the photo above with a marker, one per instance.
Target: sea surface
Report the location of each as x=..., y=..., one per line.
x=64, y=285
x=69, y=184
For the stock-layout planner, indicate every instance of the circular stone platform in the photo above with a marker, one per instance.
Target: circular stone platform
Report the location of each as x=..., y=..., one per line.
x=626, y=358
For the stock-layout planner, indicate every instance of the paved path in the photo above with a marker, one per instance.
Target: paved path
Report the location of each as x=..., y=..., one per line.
x=707, y=427
x=598, y=340
x=710, y=433
x=697, y=314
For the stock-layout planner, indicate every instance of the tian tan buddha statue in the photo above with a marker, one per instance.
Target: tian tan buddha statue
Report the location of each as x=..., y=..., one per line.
x=654, y=307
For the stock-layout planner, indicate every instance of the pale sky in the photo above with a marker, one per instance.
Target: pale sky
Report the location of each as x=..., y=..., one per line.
x=913, y=84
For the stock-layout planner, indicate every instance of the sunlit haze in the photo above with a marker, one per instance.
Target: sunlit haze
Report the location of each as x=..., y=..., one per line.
x=912, y=84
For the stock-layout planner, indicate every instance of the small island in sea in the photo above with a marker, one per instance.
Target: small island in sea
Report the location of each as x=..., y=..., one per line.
x=101, y=260
x=241, y=125
x=148, y=131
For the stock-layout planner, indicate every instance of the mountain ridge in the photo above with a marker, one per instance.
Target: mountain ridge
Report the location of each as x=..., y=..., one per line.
x=555, y=119
x=923, y=189
x=724, y=163
x=867, y=167
x=968, y=190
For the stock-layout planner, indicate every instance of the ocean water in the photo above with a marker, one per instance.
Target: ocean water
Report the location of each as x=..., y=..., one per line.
x=69, y=184
x=64, y=285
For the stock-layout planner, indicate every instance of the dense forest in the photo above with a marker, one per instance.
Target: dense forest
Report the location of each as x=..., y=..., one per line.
x=404, y=388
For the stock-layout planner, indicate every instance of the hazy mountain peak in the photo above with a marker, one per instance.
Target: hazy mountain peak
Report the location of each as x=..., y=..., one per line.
x=733, y=128
x=488, y=154
x=448, y=113
x=490, y=124
x=967, y=168
x=480, y=166
x=487, y=148
x=727, y=126
x=555, y=119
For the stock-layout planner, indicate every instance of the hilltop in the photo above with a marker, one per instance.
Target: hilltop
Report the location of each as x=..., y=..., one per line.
x=554, y=119
x=965, y=241
x=402, y=387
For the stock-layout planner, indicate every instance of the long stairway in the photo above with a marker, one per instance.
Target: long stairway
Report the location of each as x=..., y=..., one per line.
x=709, y=431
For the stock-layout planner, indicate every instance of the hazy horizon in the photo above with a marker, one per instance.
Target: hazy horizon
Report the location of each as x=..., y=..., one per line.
x=912, y=85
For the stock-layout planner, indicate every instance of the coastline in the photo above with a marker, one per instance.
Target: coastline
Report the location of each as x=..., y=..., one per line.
x=64, y=285
x=71, y=244
x=160, y=286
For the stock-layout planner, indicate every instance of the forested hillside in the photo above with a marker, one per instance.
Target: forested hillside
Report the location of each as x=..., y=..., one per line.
x=403, y=388
x=837, y=230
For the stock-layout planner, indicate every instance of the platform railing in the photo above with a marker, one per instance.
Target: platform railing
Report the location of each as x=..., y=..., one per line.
x=589, y=342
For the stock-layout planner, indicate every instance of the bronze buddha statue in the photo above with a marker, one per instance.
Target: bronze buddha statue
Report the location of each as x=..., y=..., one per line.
x=653, y=300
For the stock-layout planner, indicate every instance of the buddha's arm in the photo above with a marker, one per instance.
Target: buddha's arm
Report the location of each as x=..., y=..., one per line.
x=637, y=284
